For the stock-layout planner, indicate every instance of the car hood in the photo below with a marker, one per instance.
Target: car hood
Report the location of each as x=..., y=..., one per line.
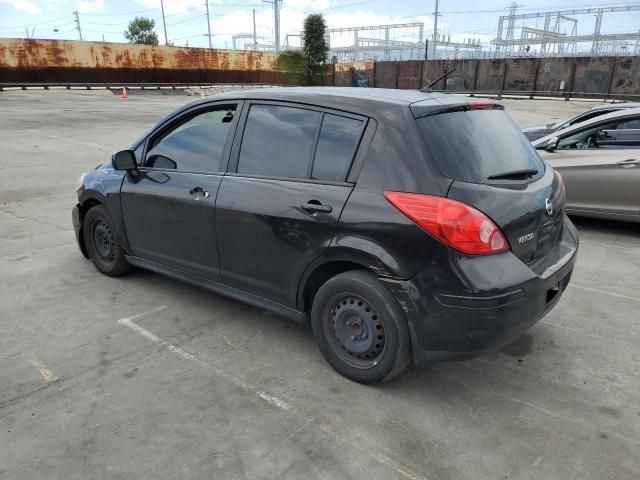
x=535, y=128
x=533, y=133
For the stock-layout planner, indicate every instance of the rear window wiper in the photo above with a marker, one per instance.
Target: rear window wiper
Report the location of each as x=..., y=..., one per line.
x=514, y=174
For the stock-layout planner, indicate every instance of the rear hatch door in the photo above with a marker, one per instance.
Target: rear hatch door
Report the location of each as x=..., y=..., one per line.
x=497, y=171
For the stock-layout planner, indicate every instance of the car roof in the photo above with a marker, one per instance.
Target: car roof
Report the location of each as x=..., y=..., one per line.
x=617, y=115
x=357, y=99
x=608, y=106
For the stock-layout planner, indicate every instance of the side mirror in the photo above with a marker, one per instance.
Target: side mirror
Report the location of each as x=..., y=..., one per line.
x=124, y=160
x=551, y=144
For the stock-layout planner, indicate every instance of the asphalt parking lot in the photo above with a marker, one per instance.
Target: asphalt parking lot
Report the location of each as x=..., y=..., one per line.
x=145, y=377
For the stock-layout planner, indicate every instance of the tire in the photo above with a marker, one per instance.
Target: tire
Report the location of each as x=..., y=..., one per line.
x=101, y=243
x=360, y=328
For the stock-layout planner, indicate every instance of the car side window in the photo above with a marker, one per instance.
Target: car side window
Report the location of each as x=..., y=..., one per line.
x=196, y=145
x=278, y=141
x=599, y=136
x=337, y=144
x=631, y=125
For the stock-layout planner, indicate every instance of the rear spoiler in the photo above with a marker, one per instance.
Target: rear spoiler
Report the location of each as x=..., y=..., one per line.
x=428, y=108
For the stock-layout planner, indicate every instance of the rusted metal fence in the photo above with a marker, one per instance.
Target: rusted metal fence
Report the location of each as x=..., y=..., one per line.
x=607, y=77
x=30, y=61
x=63, y=61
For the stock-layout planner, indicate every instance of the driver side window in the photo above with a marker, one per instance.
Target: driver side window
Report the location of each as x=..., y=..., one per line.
x=610, y=135
x=195, y=145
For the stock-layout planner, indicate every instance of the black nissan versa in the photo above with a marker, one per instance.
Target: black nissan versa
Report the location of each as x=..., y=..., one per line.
x=402, y=225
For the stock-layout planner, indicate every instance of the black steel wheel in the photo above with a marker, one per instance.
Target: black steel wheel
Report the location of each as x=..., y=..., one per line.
x=360, y=328
x=357, y=332
x=101, y=242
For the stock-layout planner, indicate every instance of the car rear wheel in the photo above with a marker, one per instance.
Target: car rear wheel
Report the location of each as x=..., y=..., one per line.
x=360, y=328
x=99, y=237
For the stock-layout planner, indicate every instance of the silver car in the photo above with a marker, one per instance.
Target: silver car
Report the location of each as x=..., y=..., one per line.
x=600, y=162
x=539, y=131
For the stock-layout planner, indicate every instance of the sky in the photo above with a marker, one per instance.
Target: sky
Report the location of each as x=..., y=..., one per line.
x=186, y=20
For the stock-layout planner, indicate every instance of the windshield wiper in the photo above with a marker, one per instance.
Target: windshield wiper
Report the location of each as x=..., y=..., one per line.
x=514, y=174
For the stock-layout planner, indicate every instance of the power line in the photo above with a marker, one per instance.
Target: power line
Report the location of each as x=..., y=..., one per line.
x=48, y=21
x=186, y=20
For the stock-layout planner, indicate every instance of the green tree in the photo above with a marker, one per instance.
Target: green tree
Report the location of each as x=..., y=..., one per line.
x=315, y=46
x=294, y=64
x=140, y=30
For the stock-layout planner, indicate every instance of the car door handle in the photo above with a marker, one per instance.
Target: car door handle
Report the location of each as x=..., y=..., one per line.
x=631, y=162
x=198, y=193
x=314, y=206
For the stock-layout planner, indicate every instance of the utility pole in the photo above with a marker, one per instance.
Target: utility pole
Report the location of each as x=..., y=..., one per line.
x=276, y=21
x=77, y=20
x=164, y=24
x=255, y=37
x=208, y=23
x=435, y=31
x=276, y=17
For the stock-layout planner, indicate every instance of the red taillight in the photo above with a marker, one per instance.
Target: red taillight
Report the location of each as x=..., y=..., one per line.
x=454, y=223
x=481, y=105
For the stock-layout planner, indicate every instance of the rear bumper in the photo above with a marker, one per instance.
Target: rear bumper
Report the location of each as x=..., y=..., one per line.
x=491, y=300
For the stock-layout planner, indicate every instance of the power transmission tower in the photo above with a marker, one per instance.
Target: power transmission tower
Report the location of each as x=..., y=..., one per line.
x=164, y=24
x=276, y=21
x=77, y=20
x=208, y=23
x=511, y=23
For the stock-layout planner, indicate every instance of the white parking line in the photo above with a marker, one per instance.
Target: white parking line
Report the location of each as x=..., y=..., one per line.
x=272, y=400
x=604, y=292
x=610, y=245
x=71, y=140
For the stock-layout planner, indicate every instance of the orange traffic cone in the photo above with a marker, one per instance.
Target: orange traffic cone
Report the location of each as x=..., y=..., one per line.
x=124, y=93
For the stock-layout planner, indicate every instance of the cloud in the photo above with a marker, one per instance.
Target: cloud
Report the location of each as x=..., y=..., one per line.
x=88, y=6
x=23, y=5
x=173, y=7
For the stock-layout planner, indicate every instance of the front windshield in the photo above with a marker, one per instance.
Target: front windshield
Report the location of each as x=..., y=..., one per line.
x=558, y=124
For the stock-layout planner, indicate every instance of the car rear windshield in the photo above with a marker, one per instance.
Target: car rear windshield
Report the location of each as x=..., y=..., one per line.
x=472, y=146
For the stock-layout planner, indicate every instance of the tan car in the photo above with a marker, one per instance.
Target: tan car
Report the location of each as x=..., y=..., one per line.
x=600, y=162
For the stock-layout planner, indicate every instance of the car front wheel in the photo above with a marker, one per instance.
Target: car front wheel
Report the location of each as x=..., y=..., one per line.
x=100, y=239
x=360, y=328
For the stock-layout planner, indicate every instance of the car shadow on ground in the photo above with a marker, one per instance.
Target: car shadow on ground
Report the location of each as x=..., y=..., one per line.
x=598, y=225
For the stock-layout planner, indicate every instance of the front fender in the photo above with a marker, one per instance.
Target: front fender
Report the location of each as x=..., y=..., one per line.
x=102, y=187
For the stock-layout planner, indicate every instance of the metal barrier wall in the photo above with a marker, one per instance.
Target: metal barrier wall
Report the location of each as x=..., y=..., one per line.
x=65, y=61
x=614, y=77
x=31, y=61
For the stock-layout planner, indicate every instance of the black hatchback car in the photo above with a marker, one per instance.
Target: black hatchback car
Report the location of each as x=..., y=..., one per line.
x=402, y=225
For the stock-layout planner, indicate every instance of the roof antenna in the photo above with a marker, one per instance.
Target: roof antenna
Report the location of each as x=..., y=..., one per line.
x=429, y=89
